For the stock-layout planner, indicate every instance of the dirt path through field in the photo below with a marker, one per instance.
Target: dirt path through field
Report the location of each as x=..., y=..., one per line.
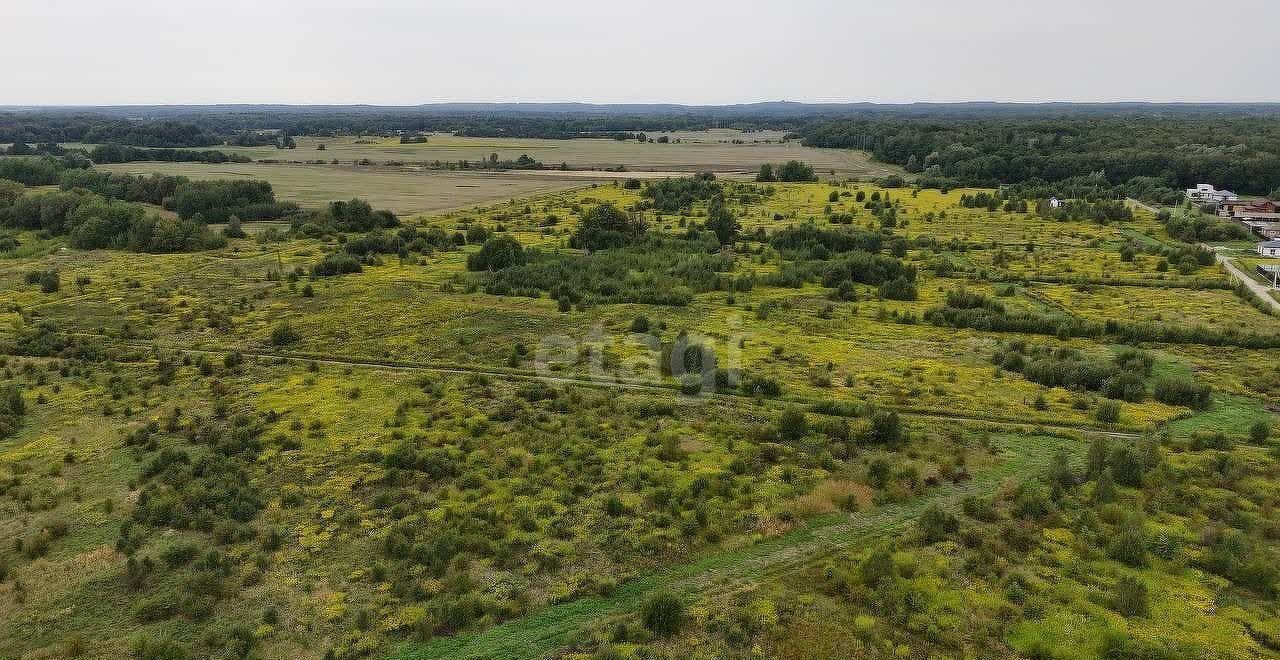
x=543, y=632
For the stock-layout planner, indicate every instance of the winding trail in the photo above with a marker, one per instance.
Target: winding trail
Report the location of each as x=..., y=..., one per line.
x=541, y=633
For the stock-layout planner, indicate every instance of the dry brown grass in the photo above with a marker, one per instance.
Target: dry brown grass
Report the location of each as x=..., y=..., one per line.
x=830, y=496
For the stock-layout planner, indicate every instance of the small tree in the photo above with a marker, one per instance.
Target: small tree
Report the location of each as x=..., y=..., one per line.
x=1129, y=546
x=1129, y=597
x=233, y=228
x=1108, y=412
x=886, y=428
x=1260, y=431
x=663, y=614
x=935, y=524
x=766, y=174
x=497, y=253
x=606, y=226
x=283, y=334
x=722, y=222
x=1104, y=490
x=793, y=424
x=878, y=566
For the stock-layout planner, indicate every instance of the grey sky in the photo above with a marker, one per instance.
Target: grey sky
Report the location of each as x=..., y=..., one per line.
x=686, y=51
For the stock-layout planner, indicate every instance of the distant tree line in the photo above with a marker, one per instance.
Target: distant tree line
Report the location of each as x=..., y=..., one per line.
x=62, y=127
x=119, y=153
x=1237, y=152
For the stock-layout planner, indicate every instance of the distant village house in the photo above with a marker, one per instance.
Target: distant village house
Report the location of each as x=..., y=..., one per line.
x=1205, y=193
x=1262, y=210
x=1269, y=248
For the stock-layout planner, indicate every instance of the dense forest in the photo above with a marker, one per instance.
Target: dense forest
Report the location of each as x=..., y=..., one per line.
x=1236, y=152
x=60, y=127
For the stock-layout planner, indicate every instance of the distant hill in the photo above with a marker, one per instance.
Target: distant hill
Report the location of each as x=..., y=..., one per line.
x=777, y=109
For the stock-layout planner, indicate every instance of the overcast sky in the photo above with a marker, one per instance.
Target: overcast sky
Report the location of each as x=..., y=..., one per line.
x=683, y=51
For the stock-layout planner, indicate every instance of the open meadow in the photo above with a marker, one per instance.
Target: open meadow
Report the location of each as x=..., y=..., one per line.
x=717, y=150
x=687, y=417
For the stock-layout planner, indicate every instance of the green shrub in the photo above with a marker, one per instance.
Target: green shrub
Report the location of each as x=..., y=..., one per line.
x=1108, y=412
x=606, y=226
x=1129, y=597
x=283, y=334
x=935, y=524
x=497, y=253
x=1129, y=545
x=337, y=263
x=149, y=648
x=663, y=614
x=793, y=424
x=1181, y=391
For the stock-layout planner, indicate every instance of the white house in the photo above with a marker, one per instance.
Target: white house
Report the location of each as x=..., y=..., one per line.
x=1205, y=193
x=1055, y=203
x=1269, y=248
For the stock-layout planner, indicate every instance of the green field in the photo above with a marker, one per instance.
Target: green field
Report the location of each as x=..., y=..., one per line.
x=408, y=187
x=713, y=151
x=405, y=191
x=236, y=453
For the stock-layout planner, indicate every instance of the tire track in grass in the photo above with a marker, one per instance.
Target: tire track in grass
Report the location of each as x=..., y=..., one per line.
x=541, y=633
x=513, y=375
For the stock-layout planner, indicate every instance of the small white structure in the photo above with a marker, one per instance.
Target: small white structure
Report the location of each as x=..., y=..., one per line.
x=1055, y=203
x=1205, y=193
x=1269, y=248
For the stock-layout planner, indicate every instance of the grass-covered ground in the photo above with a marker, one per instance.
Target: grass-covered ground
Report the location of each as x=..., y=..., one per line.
x=228, y=453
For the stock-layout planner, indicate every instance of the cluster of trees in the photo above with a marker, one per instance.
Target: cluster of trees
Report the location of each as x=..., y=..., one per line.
x=1095, y=187
x=41, y=149
x=523, y=162
x=1191, y=226
x=651, y=270
x=253, y=139
x=841, y=258
x=119, y=153
x=896, y=280
x=44, y=171
x=212, y=201
x=1100, y=211
x=980, y=312
x=1123, y=377
x=217, y=201
x=153, y=189
x=679, y=194
x=91, y=221
x=1237, y=152
x=607, y=226
x=790, y=171
x=807, y=241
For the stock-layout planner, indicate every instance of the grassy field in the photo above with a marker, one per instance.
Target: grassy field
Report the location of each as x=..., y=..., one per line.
x=230, y=453
x=410, y=190
x=713, y=151
x=404, y=191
